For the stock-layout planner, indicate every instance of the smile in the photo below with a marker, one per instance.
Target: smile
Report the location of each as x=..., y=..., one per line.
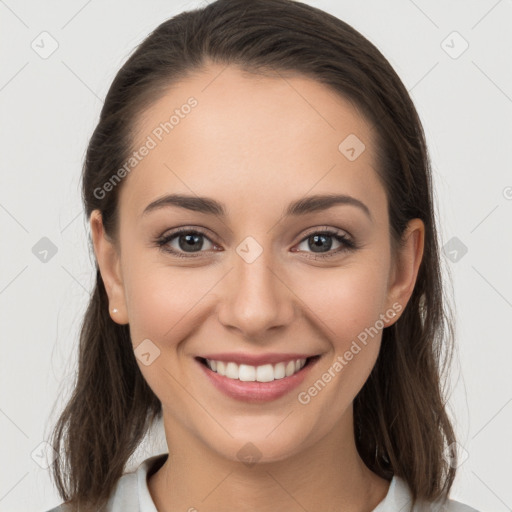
x=263, y=373
x=256, y=382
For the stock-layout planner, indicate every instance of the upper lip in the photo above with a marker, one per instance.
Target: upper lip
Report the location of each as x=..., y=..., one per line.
x=256, y=359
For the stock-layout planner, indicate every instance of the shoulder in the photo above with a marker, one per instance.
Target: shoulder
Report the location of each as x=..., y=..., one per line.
x=130, y=493
x=399, y=497
x=61, y=508
x=122, y=498
x=456, y=506
x=448, y=506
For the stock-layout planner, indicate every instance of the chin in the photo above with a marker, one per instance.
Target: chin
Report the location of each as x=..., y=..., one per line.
x=260, y=443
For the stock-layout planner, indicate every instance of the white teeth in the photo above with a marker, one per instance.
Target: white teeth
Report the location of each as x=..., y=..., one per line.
x=290, y=368
x=279, y=371
x=232, y=371
x=245, y=372
x=263, y=373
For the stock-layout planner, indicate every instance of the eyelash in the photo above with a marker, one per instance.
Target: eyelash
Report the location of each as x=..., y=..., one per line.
x=347, y=243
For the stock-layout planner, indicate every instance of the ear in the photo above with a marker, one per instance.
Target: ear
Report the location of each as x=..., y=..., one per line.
x=110, y=268
x=405, y=265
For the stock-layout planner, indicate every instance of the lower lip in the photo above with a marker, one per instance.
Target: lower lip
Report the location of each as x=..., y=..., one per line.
x=257, y=391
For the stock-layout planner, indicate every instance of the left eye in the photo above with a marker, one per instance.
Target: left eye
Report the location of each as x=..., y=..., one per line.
x=322, y=242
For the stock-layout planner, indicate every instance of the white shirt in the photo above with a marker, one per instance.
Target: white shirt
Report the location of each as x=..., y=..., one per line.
x=131, y=494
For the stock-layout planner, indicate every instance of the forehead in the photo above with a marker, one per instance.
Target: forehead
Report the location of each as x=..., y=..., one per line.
x=223, y=130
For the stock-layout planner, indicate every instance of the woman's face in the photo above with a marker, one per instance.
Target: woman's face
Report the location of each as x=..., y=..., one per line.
x=266, y=271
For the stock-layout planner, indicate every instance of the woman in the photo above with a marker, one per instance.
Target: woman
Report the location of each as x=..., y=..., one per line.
x=268, y=280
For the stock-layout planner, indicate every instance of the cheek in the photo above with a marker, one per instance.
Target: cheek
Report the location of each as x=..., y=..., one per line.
x=158, y=296
x=346, y=300
x=162, y=301
x=165, y=307
x=347, y=305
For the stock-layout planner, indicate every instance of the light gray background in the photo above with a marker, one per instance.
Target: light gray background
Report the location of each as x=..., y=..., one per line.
x=49, y=108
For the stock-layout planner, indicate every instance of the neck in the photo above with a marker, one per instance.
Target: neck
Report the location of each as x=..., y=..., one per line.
x=328, y=475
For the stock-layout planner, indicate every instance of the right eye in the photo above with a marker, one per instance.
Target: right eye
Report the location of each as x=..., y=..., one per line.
x=184, y=243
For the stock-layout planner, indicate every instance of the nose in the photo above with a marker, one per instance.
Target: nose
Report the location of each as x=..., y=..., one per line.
x=256, y=299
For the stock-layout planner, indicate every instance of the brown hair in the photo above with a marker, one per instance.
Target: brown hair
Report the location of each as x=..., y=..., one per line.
x=401, y=424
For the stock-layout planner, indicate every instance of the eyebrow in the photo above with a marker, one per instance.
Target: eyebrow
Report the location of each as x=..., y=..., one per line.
x=302, y=206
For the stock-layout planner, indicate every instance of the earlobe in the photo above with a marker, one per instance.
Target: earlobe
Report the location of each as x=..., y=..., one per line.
x=108, y=261
x=406, y=265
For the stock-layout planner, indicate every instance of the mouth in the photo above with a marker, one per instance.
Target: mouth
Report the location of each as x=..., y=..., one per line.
x=258, y=384
x=262, y=373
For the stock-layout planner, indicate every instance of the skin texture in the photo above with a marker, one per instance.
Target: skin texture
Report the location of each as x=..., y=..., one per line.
x=255, y=144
